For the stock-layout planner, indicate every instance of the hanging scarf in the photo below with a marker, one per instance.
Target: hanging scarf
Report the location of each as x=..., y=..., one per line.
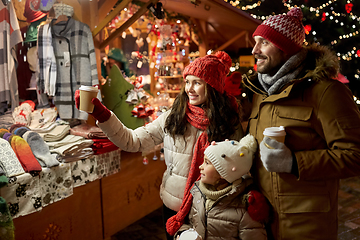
x=197, y=118
x=289, y=71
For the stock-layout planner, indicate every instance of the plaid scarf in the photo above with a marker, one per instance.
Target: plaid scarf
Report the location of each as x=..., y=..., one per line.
x=46, y=61
x=196, y=117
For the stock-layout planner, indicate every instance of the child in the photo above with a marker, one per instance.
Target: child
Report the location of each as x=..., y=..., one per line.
x=219, y=207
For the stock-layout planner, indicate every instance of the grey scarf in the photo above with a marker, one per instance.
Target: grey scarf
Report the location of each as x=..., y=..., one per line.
x=289, y=71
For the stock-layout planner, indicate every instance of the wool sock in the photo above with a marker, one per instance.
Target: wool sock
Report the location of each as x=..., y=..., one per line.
x=3, y=131
x=40, y=149
x=7, y=136
x=25, y=155
x=15, y=126
x=21, y=130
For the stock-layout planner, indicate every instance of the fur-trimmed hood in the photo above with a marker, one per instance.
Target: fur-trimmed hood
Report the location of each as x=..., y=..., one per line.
x=320, y=64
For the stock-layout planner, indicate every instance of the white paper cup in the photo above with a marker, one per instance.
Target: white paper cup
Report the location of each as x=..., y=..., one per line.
x=277, y=133
x=190, y=234
x=87, y=93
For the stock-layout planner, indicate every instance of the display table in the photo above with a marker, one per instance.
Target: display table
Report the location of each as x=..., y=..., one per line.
x=98, y=209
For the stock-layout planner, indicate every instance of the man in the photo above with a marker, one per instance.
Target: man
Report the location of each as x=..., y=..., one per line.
x=295, y=87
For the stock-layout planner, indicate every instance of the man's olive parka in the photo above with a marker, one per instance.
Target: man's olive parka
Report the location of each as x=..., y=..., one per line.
x=322, y=125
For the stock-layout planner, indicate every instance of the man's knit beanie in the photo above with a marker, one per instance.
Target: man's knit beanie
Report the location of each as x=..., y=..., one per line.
x=285, y=31
x=211, y=68
x=232, y=159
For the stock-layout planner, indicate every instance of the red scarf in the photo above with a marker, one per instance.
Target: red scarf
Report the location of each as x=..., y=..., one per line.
x=196, y=117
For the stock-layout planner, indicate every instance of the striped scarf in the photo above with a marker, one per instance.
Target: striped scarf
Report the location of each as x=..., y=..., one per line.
x=196, y=117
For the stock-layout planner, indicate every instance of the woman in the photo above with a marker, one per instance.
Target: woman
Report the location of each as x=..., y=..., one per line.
x=201, y=113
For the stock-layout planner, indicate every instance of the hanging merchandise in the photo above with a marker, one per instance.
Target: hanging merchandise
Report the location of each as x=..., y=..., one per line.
x=42, y=5
x=11, y=36
x=138, y=96
x=67, y=60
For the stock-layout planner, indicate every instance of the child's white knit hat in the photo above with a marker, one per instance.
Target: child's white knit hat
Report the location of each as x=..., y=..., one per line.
x=232, y=159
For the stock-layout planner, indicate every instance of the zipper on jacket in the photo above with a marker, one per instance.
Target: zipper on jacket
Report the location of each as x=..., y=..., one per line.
x=170, y=169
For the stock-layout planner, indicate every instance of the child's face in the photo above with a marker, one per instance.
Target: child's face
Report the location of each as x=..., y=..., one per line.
x=208, y=173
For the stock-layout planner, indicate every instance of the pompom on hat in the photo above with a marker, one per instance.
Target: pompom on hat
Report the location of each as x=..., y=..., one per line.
x=285, y=31
x=232, y=159
x=213, y=69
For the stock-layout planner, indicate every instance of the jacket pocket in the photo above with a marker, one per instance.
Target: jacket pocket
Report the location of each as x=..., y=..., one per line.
x=294, y=112
x=304, y=204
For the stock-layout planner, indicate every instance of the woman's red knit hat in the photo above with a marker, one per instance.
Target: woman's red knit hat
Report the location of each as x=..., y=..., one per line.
x=285, y=31
x=211, y=68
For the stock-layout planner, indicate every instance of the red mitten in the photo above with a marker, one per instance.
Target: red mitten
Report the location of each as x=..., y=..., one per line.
x=257, y=206
x=77, y=98
x=100, y=112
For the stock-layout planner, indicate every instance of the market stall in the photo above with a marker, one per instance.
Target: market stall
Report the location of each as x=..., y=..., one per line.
x=97, y=190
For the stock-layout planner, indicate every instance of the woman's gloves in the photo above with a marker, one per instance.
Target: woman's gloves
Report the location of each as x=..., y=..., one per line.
x=275, y=156
x=100, y=113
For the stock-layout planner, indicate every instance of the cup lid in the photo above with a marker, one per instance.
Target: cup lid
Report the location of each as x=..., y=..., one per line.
x=189, y=234
x=88, y=88
x=274, y=131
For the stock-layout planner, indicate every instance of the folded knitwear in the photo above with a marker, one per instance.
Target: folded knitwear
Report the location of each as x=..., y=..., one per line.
x=66, y=140
x=101, y=146
x=58, y=133
x=8, y=160
x=63, y=150
x=43, y=118
x=87, y=131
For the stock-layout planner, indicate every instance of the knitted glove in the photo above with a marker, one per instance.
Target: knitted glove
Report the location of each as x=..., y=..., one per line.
x=100, y=112
x=275, y=156
x=257, y=206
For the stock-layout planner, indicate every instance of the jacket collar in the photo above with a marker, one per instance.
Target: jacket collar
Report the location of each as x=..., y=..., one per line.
x=321, y=64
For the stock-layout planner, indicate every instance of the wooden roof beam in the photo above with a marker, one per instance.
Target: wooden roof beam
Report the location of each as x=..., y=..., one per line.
x=127, y=24
x=202, y=28
x=110, y=16
x=239, y=35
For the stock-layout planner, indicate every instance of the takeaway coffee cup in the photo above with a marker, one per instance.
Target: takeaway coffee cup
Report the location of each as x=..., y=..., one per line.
x=277, y=133
x=190, y=234
x=87, y=93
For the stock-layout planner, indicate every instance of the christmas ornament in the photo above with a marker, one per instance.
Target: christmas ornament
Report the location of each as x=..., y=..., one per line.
x=348, y=7
x=145, y=161
x=307, y=29
x=323, y=17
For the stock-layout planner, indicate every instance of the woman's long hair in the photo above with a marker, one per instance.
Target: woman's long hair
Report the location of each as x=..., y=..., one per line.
x=223, y=118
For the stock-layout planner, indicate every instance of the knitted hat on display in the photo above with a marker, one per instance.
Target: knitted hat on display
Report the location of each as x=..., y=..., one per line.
x=285, y=31
x=31, y=15
x=211, y=68
x=232, y=159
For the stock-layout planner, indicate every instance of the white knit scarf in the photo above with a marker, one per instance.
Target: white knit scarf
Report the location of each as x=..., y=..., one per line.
x=289, y=71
